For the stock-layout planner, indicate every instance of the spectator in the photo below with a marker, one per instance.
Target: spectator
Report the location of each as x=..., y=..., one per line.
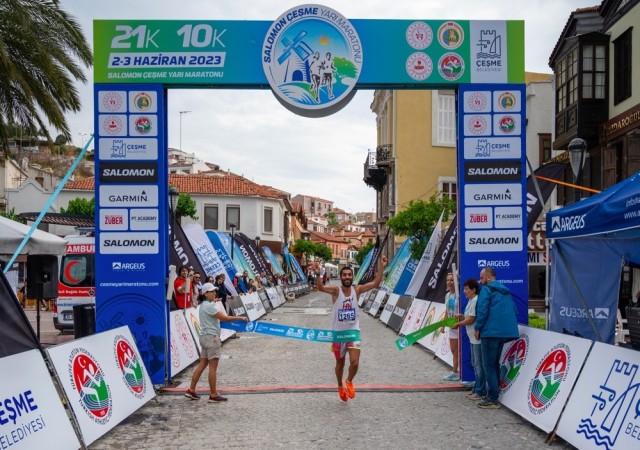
x=222, y=291
x=451, y=304
x=182, y=288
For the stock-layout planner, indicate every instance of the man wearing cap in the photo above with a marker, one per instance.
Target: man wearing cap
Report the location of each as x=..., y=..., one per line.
x=210, y=344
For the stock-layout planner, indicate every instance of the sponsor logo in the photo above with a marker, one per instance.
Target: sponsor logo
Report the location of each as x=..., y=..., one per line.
x=127, y=266
x=113, y=219
x=492, y=148
x=403, y=343
x=175, y=353
x=571, y=223
x=494, y=263
x=142, y=101
x=489, y=46
x=476, y=171
x=508, y=217
x=419, y=66
x=143, y=125
x=581, y=313
x=494, y=240
x=443, y=259
x=419, y=35
x=312, y=57
x=183, y=334
x=493, y=194
x=478, y=218
x=477, y=101
x=129, y=172
x=112, y=101
x=88, y=380
x=132, y=148
x=512, y=362
x=436, y=334
x=311, y=335
x=250, y=326
x=130, y=366
x=450, y=35
x=507, y=101
x=451, y=66
x=113, y=125
x=550, y=373
x=128, y=243
x=143, y=219
x=399, y=311
x=507, y=124
x=128, y=196
x=478, y=125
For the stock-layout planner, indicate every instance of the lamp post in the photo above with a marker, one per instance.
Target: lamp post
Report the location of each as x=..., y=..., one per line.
x=82, y=136
x=257, y=240
x=233, y=232
x=181, y=114
x=577, y=148
x=173, y=199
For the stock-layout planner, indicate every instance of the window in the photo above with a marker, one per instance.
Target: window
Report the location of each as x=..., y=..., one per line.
x=544, y=143
x=567, y=81
x=594, y=65
x=233, y=216
x=622, y=67
x=449, y=188
x=267, y=226
x=443, y=104
x=211, y=217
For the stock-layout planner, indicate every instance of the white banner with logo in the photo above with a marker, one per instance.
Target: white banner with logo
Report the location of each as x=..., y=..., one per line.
x=604, y=408
x=538, y=372
x=183, y=347
x=385, y=315
x=253, y=305
x=415, y=317
x=31, y=413
x=192, y=317
x=274, y=298
x=375, y=306
x=104, y=378
x=438, y=341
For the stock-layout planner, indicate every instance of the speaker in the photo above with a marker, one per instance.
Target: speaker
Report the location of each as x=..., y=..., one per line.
x=42, y=276
x=633, y=323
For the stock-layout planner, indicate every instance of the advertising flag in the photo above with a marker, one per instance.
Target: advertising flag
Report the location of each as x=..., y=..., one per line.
x=534, y=206
x=425, y=261
x=221, y=249
x=434, y=285
x=181, y=253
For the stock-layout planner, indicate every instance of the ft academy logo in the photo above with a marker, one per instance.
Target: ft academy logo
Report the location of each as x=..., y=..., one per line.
x=512, y=362
x=312, y=58
x=130, y=366
x=550, y=374
x=87, y=378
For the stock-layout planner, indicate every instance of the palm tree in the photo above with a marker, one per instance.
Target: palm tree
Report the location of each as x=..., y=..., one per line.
x=41, y=49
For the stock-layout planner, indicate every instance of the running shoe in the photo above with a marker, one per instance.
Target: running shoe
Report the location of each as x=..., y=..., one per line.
x=192, y=395
x=217, y=398
x=343, y=394
x=451, y=377
x=488, y=404
x=351, y=391
x=474, y=396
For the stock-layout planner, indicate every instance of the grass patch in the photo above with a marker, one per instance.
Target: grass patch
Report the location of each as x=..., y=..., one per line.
x=536, y=321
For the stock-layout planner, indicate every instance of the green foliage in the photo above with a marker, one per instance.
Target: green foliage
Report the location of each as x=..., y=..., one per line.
x=308, y=248
x=10, y=215
x=362, y=254
x=323, y=252
x=418, y=220
x=333, y=221
x=536, y=321
x=61, y=139
x=186, y=207
x=80, y=206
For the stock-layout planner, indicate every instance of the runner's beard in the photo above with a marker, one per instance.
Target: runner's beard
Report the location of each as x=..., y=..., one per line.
x=346, y=283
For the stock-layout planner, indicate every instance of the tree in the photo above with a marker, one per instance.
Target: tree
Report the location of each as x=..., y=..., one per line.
x=308, y=248
x=80, y=206
x=333, y=221
x=41, y=49
x=418, y=220
x=362, y=253
x=11, y=215
x=186, y=207
x=323, y=252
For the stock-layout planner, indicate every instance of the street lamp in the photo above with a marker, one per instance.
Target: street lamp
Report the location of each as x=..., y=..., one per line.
x=233, y=232
x=181, y=114
x=257, y=242
x=173, y=199
x=577, y=148
x=82, y=136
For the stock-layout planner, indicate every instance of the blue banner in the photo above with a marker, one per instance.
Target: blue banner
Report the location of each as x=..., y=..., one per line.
x=286, y=331
x=366, y=262
x=222, y=253
x=276, y=268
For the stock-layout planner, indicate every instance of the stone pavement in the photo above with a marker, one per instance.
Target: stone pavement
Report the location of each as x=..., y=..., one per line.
x=314, y=417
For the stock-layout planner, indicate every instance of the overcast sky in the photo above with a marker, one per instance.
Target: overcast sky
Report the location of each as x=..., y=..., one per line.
x=250, y=133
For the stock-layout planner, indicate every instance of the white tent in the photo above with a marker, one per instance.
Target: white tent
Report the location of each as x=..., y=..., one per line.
x=40, y=242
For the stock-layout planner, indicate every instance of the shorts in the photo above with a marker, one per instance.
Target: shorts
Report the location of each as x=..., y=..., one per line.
x=211, y=346
x=454, y=334
x=339, y=349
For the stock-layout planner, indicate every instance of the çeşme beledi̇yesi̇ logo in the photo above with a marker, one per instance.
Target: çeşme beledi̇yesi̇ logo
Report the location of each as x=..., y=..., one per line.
x=312, y=57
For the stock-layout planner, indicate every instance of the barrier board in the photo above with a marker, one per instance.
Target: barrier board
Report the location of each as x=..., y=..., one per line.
x=192, y=317
x=183, y=347
x=415, y=316
x=104, y=378
x=253, y=306
x=399, y=312
x=365, y=296
x=385, y=315
x=604, y=408
x=545, y=376
x=432, y=341
x=377, y=302
x=438, y=341
x=274, y=298
x=264, y=298
x=31, y=413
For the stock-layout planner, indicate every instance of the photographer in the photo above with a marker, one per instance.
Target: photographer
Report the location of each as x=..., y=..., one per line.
x=182, y=287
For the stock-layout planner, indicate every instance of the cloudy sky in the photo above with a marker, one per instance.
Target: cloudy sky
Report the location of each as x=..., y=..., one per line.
x=250, y=133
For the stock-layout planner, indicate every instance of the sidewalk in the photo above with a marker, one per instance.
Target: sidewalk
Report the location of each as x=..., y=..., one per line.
x=282, y=394
x=48, y=334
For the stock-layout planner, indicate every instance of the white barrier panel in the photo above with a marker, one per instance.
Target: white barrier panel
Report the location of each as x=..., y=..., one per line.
x=363, y=298
x=253, y=306
x=193, y=321
x=438, y=342
x=415, y=316
x=31, y=413
x=104, y=378
x=604, y=408
x=183, y=348
x=375, y=306
x=274, y=298
x=385, y=315
x=545, y=375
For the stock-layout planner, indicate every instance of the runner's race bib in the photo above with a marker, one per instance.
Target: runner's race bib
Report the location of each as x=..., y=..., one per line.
x=347, y=315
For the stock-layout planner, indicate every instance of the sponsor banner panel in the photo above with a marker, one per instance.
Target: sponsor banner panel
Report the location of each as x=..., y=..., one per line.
x=104, y=378
x=538, y=372
x=415, y=316
x=121, y=196
x=377, y=302
x=113, y=149
x=253, y=306
x=399, y=312
x=603, y=409
x=385, y=315
x=183, y=348
x=274, y=297
x=144, y=219
x=493, y=194
x=494, y=240
x=492, y=148
x=480, y=171
x=113, y=219
x=138, y=243
x=438, y=341
x=128, y=172
x=364, y=297
x=32, y=412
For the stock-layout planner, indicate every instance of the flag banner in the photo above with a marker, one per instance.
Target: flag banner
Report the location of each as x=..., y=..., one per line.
x=248, y=255
x=181, y=253
x=254, y=256
x=434, y=285
x=534, y=206
x=425, y=261
x=276, y=267
x=286, y=331
x=363, y=267
x=395, y=267
x=371, y=271
x=16, y=333
x=412, y=338
x=293, y=262
x=221, y=250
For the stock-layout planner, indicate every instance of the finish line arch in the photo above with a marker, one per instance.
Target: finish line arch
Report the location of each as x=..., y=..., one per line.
x=313, y=59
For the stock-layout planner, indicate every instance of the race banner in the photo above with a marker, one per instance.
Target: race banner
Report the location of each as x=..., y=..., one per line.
x=378, y=301
x=181, y=253
x=363, y=267
x=221, y=249
x=253, y=305
x=553, y=171
x=248, y=249
x=412, y=338
x=183, y=348
x=276, y=267
x=295, y=271
x=399, y=312
x=385, y=315
x=425, y=261
x=286, y=331
x=434, y=285
x=415, y=316
x=438, y=341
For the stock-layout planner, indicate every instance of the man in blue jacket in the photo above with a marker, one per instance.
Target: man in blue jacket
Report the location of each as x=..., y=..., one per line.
x=496, y=323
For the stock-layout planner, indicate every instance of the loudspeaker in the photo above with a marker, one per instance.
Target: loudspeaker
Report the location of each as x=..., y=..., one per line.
x=42, y=276
x=633, y=323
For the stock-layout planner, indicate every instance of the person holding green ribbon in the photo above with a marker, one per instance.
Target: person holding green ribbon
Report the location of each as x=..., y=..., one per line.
x=451, y=303
x=344, y=316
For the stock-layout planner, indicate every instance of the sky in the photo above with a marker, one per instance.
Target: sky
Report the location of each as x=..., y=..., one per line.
x=250, y=133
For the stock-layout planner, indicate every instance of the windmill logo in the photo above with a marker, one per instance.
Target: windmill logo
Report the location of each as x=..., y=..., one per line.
x=312, y=58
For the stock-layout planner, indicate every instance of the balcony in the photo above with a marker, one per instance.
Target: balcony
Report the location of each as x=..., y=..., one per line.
x=383, y=155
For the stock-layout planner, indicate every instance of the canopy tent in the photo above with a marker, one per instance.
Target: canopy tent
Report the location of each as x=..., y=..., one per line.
x=594, y=239
x=40, y=243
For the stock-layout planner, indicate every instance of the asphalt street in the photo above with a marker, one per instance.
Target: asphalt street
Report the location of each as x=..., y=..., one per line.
x=282, y=394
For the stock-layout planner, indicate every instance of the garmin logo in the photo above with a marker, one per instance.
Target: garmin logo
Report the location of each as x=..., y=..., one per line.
x=493, y=194
x=571, y=223
x=128, y=196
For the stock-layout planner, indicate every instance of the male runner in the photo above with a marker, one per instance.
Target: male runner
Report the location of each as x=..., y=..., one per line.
x=344, y=316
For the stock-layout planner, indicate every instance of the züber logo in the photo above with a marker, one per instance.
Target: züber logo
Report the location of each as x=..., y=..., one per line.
x=512, y=362
x=87, y=378
x=130, y=366
x=550, y=374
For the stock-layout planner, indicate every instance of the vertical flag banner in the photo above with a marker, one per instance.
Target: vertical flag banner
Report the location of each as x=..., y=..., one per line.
x=221, y=249
x=425, y=261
